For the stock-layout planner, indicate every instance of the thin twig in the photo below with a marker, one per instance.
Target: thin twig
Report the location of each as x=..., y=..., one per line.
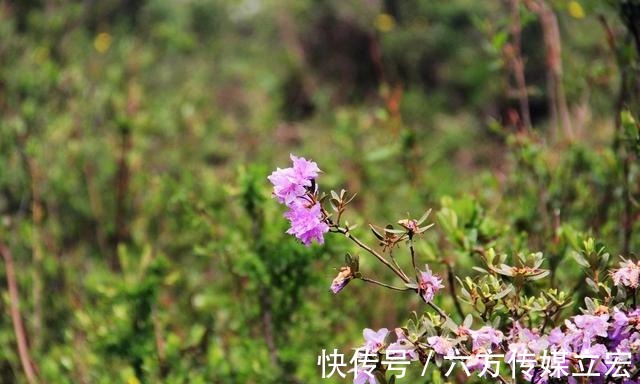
x=452, y=290
x=437, y=309
x=413, y=258
x=21, y=337
x=395, y=262
x=517, y=65
x=345, y=231
x=551, y=36
x=38, y=257
x=378, y=256
x=374, y=253
x=368, y=280
x=267, y=324
x=123, y=179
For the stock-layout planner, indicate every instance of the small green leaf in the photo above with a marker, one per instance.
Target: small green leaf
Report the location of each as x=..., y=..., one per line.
x=376, y=233
x=424, y=217
x=577, y=256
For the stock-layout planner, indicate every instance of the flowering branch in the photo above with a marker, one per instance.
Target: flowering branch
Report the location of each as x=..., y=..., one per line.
x=500, y=289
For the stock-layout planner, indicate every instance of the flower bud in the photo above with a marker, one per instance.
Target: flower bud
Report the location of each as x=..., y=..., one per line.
x=344, y=276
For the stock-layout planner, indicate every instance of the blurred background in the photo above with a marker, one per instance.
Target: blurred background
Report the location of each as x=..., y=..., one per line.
x=136, y=137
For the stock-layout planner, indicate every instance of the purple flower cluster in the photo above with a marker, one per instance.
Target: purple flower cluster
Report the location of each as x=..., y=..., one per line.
x=293, y=187
x=587, y=334
x=582, y=335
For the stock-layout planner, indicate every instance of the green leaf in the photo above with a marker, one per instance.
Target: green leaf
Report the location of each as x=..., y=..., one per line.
x=390, y=338
x=424, y=217
x=577, y=256
x=539, y=276
x=591, y=305
x=592, y=284
x=468, y=320
x=630, y=125
x=376, y=233
x=499, y=39
x=481, y=270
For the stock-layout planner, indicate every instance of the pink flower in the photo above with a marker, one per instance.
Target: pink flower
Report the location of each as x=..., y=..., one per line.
x=304, y=169
x=403, y=346
x=592, y=326
x=429, y=284
x=289, y=184
x=441, y=345
x=306, y=223
x=286, y=188
x=628, y=275
x=478, y=360
x=374, y=341
x=524, y=340
x=486, y=337
x=620, y=322
x=559, y=341
x=362, y=375
x=600, y=351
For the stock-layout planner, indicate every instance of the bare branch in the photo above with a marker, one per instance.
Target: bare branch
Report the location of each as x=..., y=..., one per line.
x=14, y=297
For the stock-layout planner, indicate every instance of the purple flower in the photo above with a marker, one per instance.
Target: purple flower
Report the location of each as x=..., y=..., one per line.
x=478, y=360
x=628, y=275
x=600, y=352
x=441, y=345
x=559, y=341
x=374, y=341
x=486, y=337
x=403, y=346
x=362, y=375
x=429, y=284
x=594, y=325
x=306, y=223
x=620, y=322
x=591, y=326
x=475, y=362
x=304, y=169
x=524, y=340
x=285, y=186
x=631, y=343
x=289, y=184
